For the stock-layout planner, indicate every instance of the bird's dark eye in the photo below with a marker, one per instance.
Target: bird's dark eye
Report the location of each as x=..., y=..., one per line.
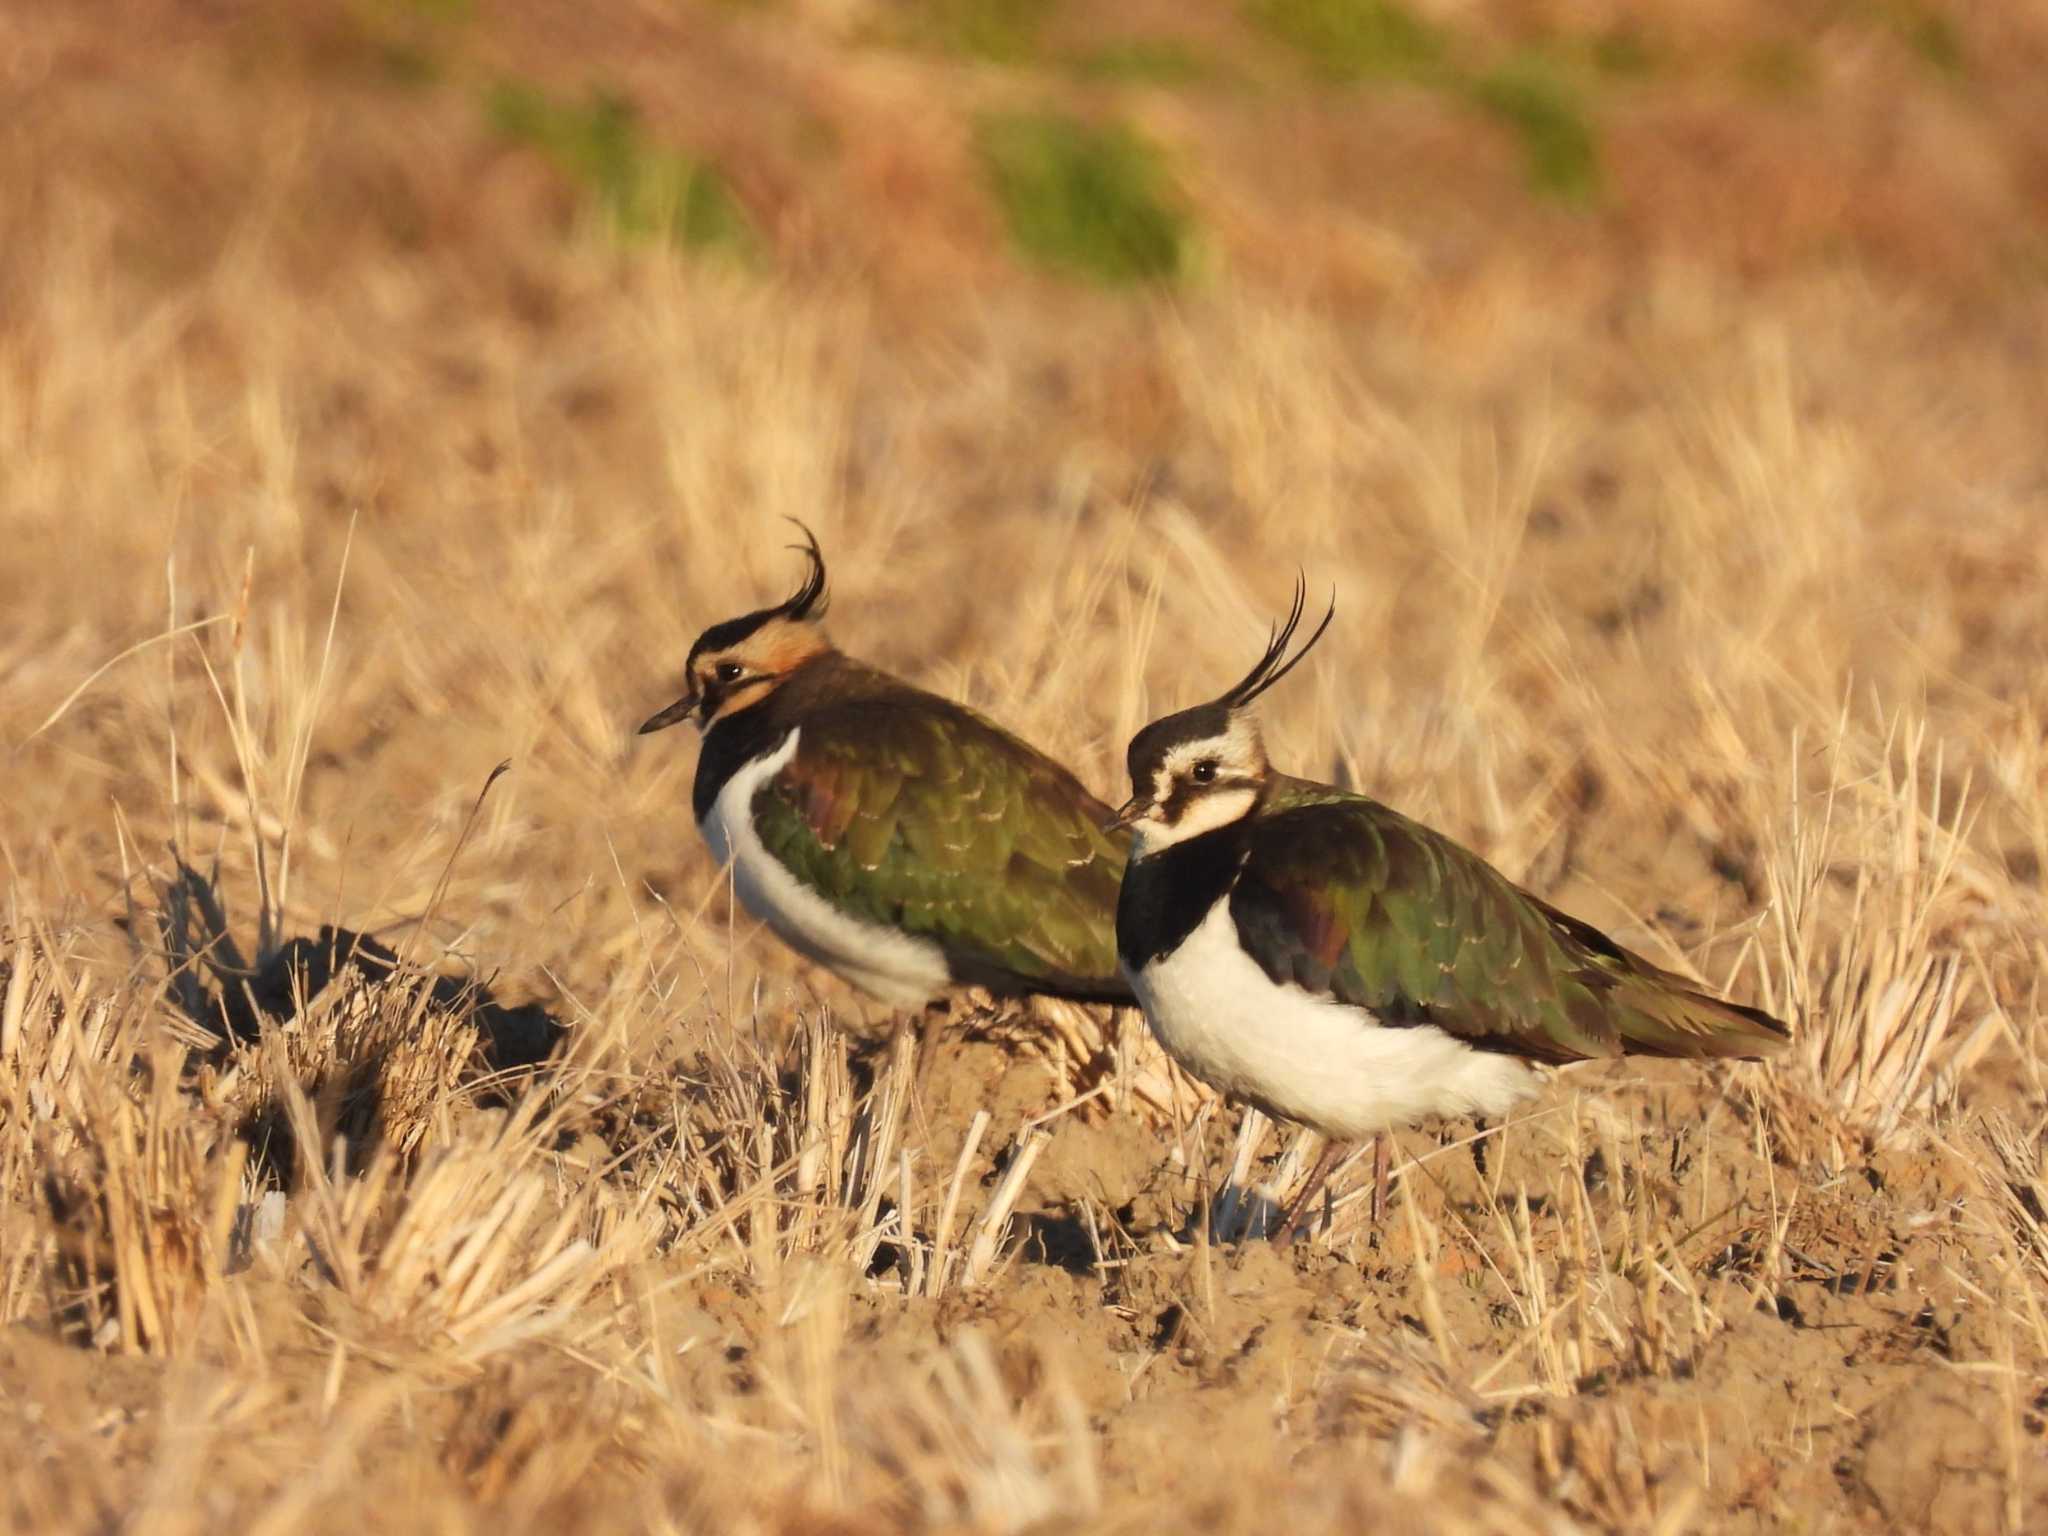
x=1205, y=771
x=728, y=671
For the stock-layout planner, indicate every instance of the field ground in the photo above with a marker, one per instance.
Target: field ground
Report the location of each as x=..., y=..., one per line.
x=382, y=401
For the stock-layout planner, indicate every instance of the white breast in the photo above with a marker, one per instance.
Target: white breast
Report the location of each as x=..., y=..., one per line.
x=894, y=966
x=1310, y=1059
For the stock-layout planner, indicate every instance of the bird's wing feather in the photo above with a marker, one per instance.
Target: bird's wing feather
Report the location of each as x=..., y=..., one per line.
x=1348, y=898
x=920, y=814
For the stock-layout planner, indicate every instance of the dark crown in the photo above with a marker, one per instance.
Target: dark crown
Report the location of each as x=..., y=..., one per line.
x=1151, y=747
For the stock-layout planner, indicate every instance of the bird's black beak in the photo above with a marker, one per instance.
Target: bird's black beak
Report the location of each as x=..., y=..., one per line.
x=1127, y=813
x=682, y=709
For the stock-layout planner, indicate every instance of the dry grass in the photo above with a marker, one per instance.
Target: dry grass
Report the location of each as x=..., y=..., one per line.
x=1694, y=579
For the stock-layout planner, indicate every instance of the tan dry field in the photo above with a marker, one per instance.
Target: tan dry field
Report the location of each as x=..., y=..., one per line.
x=1690, y=551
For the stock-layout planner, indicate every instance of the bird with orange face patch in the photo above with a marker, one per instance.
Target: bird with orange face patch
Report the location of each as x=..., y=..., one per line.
x=898, y=838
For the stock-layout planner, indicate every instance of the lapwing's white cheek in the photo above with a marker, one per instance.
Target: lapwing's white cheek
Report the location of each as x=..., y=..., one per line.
x=1217, y=808
x=1198, y=813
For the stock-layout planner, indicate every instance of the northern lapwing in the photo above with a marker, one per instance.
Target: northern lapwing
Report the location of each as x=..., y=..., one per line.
x=1315, y=953
x=895, y=837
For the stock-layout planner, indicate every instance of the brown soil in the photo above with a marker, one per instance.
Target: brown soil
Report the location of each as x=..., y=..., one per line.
x=1688, y=549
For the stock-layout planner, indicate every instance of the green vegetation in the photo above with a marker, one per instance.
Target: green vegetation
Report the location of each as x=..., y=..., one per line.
x=1929, y=32
x=1094, y=201
x=1354, y=39
x=1624, y=53
x=1146, y=61
x=408, y=38
x=1558, y=143
x=646, y=188
x=1777, y=67
x=998, y=31
x=1531, y=95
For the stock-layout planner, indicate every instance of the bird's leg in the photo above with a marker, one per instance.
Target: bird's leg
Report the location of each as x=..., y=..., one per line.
x=1382, y=1163
x=1318, y=1176
x=1482, y=1129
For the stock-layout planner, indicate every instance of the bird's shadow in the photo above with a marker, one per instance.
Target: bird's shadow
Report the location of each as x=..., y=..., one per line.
x=238, y=1003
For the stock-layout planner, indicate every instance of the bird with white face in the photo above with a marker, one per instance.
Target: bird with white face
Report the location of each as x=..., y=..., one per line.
x=1317, y=954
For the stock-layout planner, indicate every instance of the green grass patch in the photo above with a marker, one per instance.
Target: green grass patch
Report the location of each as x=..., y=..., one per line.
x=1930, y=33
x=1093, y=201
x=1354, y=39
x=647, y=189
x=1777, y=67
x=1146, y=61
x=995, y=31
x=1539, y=106
x=1536, y=95
x=1624, y=53
x=409, y=39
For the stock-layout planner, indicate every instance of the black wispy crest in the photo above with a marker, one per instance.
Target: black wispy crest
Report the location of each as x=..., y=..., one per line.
x=1269, y=668
x=811, y=599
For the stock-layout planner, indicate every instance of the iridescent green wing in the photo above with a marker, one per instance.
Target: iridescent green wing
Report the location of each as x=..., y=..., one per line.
x=1350, y=899
x=914, y=812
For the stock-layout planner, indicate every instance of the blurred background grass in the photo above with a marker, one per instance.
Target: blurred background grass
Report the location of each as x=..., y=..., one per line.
x=1661, y=387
